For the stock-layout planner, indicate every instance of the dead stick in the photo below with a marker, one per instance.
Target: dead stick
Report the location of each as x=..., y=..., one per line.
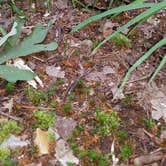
x=33, y=107
x=11, y=117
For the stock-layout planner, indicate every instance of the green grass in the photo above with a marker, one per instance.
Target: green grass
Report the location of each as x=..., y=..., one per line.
x=66, y=107
x=152, y=8
x=10, y=87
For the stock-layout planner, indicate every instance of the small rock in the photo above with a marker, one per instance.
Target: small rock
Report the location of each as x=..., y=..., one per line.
x=14, y=142
x=64, y=154
x=65, y=126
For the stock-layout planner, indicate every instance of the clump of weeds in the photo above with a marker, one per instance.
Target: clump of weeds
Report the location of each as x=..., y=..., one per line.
x=106, y=122
x=8, y=128
x=43, y=119
x=36, y=96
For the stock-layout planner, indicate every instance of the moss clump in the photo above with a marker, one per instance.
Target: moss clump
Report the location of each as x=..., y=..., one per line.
x=43, y=119
x=8, y=128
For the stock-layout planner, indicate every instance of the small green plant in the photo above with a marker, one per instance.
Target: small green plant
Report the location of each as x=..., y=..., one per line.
x=12, y=48
x=35, y=96
x=10, y=87
x=7, y=128
x=127, y=101
x=4, y=154
x=67, y=107
x=43, y=119
x=54, y=87
x=53, y=104
x=126, y=152
x=106, y=122
x=149, y=123
x=98, y=158
x=121, y=40
x=51, y=135
x=122, y=136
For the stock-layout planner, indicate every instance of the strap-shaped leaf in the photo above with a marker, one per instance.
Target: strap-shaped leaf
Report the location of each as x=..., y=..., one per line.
x=145, y=14
x=159, y=67
x=138, y=62
x=12, y=74
x=116, y=10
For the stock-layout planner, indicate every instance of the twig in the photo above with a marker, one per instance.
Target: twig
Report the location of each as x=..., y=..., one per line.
x=74, y=83
x=33, y=107
x=139, y=79
x=11, y=117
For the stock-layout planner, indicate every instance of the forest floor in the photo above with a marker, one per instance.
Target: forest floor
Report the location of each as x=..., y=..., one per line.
x=90, y=128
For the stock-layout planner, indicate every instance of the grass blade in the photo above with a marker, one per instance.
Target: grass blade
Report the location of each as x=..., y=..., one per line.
x=138, y=62
x=160, y=66
x=110, y=12
x=138, y=18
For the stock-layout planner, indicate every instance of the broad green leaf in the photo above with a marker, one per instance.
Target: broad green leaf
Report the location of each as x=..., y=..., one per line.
x=139, y=61
x=11, y=33
x=136, y=19
x=12, y=74
x=110, y=12
x=29, y=45
x=159, y=67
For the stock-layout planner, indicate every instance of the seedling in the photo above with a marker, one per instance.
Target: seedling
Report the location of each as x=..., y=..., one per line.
x=106, y=122
x=67, y=107
x=149, y=123
x=4, y=154
x=126, y=152
x=43, y=119
x=10, y=87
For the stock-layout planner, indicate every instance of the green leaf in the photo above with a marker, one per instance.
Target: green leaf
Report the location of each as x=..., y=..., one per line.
x=12, y=74
x=110, y=12
x=145, y=14
x=159, y=67
x=29, y=45
x=139, y=61
x=11, y=33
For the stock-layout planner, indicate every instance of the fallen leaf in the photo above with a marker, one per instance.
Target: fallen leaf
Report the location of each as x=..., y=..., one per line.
x=14, y=142
x=55, y=72
x=8, y=105
x=21, y=65
x=64, y=154
x=65, y=126
x=42, y=141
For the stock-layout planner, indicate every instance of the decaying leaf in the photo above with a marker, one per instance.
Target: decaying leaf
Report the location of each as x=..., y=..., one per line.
x=64, y=154
x=55, y=72
x=42, y=141
x=21, y=65
x=9, y=105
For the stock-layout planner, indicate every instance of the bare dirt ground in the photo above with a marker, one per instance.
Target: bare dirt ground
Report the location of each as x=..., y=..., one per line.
x=88, y=84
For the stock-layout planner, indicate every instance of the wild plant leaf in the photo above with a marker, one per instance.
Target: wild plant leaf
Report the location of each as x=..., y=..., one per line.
x=29, y=45
x=12, y=74
x=159, y=67
x=136, y=19
x=11, y=33
x=118, y=10
x=139, y=61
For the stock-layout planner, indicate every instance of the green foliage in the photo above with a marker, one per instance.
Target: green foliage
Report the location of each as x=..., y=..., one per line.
x=53, y=104
x=106, y=122
x=149, y=123
x=10, y=87
x=43, y=119
x=153, y=9
x=126, y=152
x=12, y=48
x=4, y=154
x=67, y=107
x=98, y=158
x=36, y=96
x=121, y=40
x=8, y=128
